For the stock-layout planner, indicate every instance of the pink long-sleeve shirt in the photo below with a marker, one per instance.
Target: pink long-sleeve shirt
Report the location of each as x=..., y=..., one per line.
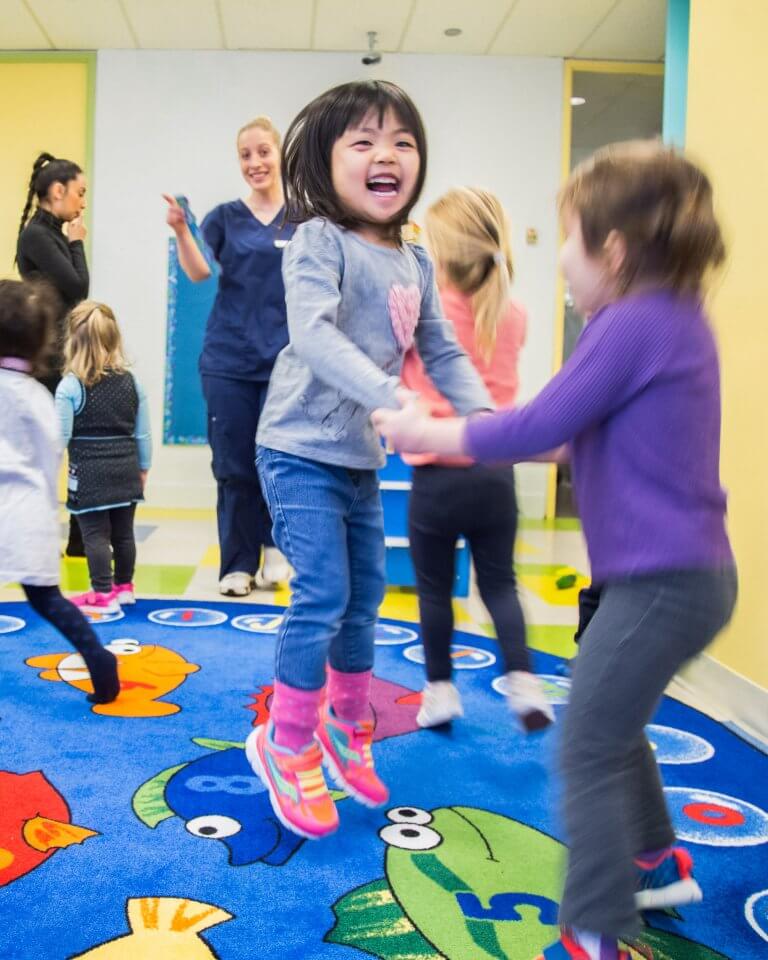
x=500, y=374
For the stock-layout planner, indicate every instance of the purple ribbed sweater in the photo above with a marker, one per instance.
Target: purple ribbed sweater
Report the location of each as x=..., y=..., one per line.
x=639, y=402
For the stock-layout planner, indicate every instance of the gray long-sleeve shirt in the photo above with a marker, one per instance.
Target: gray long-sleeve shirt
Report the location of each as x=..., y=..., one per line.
x=346, y=349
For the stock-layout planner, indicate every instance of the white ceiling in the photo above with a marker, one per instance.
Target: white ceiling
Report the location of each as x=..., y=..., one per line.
x=595, y=29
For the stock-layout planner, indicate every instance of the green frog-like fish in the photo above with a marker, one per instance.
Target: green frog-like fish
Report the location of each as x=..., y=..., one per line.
x=466, y=884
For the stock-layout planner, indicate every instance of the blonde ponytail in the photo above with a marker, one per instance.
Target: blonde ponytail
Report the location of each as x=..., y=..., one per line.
x=468, y=235
x=94, y=346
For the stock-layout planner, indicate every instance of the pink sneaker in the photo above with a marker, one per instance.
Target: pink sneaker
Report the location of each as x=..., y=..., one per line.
x=94, y=602
x=296, y=785
x=124, y=593
x=347, y=754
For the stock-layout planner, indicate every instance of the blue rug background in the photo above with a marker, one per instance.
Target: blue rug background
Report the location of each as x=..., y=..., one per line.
x=75, y=900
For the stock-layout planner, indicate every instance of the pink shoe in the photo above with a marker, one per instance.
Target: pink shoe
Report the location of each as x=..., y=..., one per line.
x=297, y=788
x=94, y=602
x=124, y=593
x=347, y=754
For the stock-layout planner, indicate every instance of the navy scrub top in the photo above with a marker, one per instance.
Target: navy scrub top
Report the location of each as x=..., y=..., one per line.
x=247, y=326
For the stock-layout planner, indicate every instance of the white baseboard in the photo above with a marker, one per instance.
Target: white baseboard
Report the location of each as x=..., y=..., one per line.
x=737, y=698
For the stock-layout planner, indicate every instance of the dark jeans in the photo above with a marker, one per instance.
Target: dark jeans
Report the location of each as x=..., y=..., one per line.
x=68, y=620
x=329, y=523
x=645, y=628
x=234, y=408
x=108, y=533
x=478, y=503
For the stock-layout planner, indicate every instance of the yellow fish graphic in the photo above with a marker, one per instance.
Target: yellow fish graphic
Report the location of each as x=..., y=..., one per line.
x=146, y=672
x=162, y=928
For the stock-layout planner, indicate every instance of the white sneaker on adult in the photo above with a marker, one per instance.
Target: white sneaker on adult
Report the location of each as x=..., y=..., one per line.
x=274, y=569
x=236, y=584
x=526, y=698
x=440, y=703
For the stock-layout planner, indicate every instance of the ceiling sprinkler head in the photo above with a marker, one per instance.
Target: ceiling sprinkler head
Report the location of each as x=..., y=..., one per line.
x=373, y=56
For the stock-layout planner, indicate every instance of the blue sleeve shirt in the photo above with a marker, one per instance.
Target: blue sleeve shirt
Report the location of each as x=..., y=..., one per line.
x=247, y=326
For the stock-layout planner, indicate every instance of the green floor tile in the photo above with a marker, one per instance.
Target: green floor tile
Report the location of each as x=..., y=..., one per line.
x=557, y=523
x=557, y=640
x=166, y=579
x=163, y=578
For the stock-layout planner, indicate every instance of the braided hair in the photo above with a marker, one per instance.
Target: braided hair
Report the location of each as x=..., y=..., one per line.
x=46, y=171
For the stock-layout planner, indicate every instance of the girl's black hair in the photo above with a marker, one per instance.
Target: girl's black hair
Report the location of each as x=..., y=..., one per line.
x=46, y=171
x=306, y=158
x=28, y=314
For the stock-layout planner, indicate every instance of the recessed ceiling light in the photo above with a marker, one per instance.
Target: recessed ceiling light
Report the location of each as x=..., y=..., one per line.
x=453, y=32
x=577, y=101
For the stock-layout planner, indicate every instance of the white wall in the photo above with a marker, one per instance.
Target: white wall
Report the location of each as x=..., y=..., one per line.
x=166, y=122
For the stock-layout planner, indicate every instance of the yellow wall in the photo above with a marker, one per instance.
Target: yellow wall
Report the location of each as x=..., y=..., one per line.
x=727, y=133
x=44, y=105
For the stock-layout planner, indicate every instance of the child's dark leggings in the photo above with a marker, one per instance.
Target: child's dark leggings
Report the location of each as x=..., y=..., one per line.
x=49, y=603
x=108, y=535
x=479, y=503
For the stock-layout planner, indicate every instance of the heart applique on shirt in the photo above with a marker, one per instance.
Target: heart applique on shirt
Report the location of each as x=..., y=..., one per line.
x=404, y=309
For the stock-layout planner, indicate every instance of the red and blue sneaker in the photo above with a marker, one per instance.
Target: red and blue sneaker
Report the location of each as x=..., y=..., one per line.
x=667, y=881
x=566, y=948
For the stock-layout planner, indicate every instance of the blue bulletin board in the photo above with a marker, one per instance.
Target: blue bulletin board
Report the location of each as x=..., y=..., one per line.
x=184, y=418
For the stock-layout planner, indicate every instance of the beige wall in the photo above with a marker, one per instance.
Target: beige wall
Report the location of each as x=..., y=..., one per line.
x=728, y=133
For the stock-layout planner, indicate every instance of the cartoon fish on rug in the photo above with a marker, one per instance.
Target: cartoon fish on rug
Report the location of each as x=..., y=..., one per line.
x=467, y=884
x=35, y=822
x=393, y=707
x=219, y=797
x=146, y=671
x=162, y=928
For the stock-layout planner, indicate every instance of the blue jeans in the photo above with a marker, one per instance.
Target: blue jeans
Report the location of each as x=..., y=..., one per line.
x=234, y=407
x=329, y=523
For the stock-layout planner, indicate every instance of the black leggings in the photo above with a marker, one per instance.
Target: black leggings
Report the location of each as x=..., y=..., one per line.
x=478, y=503
x=49, y=603
x=108, y=533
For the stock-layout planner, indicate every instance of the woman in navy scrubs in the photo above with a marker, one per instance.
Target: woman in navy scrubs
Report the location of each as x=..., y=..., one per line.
x=245, y=332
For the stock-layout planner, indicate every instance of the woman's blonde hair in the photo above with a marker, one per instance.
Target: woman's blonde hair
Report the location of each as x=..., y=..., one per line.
x=467, y=232
x=659, y=201
x=261, y=123
x=94, y=346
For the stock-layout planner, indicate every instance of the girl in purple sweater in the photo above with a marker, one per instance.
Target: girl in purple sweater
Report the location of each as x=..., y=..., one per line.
x=637, y=407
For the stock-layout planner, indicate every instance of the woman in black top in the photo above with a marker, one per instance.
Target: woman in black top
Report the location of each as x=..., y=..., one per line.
x=44, y=251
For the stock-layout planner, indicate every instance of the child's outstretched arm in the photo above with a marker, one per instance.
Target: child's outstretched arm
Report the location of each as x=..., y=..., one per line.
x=312, y=270
x=617, y=356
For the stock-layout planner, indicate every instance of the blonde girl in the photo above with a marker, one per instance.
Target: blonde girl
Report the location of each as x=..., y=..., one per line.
x=104, y=423
x=467, y=233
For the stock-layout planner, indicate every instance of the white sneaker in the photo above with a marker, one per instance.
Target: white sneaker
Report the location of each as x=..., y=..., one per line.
x=274, y=569
x=526, y=698
x=440, y=703
x=236, y=584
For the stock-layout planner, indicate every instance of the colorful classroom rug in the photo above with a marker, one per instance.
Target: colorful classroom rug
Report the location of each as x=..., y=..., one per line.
x=137, y=830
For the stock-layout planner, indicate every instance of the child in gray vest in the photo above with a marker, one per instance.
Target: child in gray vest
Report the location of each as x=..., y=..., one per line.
x=104, y=423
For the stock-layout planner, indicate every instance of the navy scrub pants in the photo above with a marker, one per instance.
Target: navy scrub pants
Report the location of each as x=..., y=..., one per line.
x=234, y=407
